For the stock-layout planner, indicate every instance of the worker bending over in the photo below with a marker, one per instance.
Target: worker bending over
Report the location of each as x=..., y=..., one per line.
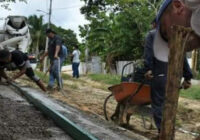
x=17, y=60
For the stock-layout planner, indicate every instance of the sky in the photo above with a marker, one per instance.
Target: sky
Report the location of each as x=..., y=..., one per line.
x=65, y=13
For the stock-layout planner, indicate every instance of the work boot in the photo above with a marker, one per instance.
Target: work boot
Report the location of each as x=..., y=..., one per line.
x=41, y=85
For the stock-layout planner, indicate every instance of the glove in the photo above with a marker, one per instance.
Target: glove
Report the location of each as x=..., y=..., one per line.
x=148, y=75
x=186, y=84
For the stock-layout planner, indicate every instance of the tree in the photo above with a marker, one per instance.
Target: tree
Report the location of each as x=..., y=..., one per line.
x=117, y=28
x=38, y=34
x=5, y=3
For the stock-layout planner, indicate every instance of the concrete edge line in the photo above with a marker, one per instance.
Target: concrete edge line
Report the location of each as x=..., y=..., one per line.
x=68, y=126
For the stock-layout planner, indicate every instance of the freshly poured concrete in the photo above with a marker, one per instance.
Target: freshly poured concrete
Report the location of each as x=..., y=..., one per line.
x=21, y=121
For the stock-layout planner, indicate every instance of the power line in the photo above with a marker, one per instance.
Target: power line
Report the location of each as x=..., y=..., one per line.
x=67, y=7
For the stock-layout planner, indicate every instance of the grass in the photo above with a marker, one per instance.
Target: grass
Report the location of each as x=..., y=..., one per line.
x=191, y=93
x=198, y=76
x=43, y=77
x=105, y=78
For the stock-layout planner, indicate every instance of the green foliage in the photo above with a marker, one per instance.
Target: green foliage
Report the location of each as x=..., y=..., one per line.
x=43, y=77
x=117, y=28
x=191, y=93
x=198, y=76
x=105, y=78
x=5, y=3
x=38, y=34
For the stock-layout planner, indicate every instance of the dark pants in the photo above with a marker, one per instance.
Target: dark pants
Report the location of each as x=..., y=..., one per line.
x=158, y=86
x=158, y=97
x=75, y=69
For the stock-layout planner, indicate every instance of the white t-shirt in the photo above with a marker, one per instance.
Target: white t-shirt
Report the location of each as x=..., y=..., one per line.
x=76, y=54
x=160, y=48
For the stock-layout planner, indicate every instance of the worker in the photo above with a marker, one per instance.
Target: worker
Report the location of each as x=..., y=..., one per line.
x=75, y=61
x=17, y=60
x=54, y=53
x=172, y=12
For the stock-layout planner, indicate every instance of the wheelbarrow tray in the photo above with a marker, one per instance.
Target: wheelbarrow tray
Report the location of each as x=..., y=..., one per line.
x=126, y=89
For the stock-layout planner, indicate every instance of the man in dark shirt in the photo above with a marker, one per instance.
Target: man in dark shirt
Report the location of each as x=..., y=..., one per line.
x=55, y=55
x=17, y=60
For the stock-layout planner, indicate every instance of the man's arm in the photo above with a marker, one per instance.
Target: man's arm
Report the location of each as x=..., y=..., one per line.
x=148, y=54
x=187, y=74
x=58, y=46
x=20, y=73
x=57, y=51
x=43, y=56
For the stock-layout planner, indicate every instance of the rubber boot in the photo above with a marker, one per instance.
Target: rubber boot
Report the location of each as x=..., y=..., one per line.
x=41, y=85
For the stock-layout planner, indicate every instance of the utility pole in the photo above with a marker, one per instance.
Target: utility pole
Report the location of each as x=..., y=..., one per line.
x=47, y=39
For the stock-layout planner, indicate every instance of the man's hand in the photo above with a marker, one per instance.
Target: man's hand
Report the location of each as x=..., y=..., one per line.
x=56, y=57
x=186, y=84
x=41, y=59
x=43, y=56
x=148, y=75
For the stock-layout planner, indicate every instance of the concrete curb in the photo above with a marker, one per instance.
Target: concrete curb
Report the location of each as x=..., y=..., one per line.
x=68, y=126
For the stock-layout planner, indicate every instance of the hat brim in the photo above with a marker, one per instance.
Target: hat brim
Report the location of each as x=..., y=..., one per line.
x=195, y=21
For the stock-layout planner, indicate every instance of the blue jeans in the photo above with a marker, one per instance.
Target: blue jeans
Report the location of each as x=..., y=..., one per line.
x=75, y=69
x=55, y=73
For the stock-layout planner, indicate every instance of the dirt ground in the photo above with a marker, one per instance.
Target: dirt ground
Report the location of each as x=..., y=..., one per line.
x=89, y=96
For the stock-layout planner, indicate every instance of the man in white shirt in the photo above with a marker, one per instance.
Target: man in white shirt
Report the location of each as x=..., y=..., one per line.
x=76, y=61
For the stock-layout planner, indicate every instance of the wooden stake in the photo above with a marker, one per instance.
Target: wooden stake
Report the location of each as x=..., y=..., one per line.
x=177, y=45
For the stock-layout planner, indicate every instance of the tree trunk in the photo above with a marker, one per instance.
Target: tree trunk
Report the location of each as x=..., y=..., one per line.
x=175, y=71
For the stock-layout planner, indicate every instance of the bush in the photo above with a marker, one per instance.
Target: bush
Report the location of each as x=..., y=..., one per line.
x=105, y=78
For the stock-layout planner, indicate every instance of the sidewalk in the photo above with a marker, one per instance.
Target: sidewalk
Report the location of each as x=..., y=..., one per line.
x=195, y=82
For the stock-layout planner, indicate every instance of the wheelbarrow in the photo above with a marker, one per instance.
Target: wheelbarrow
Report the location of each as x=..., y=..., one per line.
x=131, y=92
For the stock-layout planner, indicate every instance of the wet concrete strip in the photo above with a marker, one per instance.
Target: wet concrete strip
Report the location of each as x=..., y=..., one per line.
x=99, y=128
x=19, y=120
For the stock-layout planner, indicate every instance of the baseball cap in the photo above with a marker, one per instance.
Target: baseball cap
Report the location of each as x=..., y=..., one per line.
x=194, y=5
